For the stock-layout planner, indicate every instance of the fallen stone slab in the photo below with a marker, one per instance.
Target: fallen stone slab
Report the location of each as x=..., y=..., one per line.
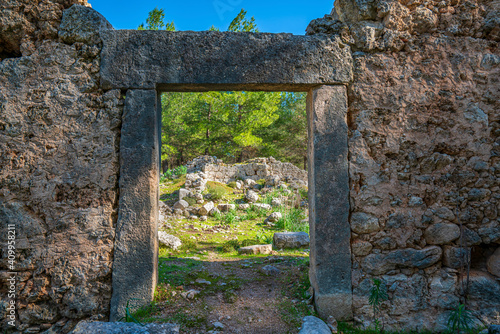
x=169, y=240
x=291, y=240
x=256, y=249
x=313, y=325
x=99, y=327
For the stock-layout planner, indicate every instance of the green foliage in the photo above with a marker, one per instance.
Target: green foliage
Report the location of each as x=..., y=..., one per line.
x=240, y=23
x=217, y=190
x=191, y=200
x=378, y=293
x=459, y=320
x=155, y=21
x=292, y=220
x=232, y=184
x=128, y=314
x=304, y=193
x=264, y=238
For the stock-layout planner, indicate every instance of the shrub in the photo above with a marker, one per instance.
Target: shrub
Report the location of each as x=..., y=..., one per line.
x=292, y=221
x=230, y=246
x=217, y=190
x=191, y=200
x=232, y=184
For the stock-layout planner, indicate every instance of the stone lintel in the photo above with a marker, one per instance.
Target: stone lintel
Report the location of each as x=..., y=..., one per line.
x=149, y=59
x=330, y=256
x=136, y=242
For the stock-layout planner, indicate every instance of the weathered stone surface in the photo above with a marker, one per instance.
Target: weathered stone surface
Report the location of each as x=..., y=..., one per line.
x=263, y=206
x=251, y=196
x=82, y=24
x=270, y=270
x=256, y=249
x=494, y=329
x=441, y=233
x=206, y=208
x=291, y=240
x=169, y=240
x=97, y=327
x=226, y=207
x=181, y=204
x=454, y=257
x=378, y=264
x=136, y=231
x=184, y=193
x=330, y=256
x=313, y=325
x=243, y=206
x=364, y=223
x=143, y=59
x=493, y=263
x=361, y=248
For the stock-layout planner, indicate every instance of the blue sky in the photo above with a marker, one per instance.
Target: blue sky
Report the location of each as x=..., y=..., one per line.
x=271, y=16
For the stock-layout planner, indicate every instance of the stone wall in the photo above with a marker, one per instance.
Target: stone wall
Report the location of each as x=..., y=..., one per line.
x=59, y=162
x=259, y=168
x=424, y=118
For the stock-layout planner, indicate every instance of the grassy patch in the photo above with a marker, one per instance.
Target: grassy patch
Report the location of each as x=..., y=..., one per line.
x=217, y=190
x=292, y=220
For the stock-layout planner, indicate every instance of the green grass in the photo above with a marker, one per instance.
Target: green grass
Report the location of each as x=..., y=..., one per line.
x=292, y=220
x=218, y=190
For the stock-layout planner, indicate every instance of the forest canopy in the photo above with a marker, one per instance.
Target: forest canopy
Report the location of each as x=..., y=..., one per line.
x=233, y=126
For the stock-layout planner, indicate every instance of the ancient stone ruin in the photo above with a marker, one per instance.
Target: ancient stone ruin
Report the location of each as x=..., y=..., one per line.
x=404, y=156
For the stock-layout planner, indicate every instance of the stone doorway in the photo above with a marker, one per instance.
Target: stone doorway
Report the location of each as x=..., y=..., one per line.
x=145, y=63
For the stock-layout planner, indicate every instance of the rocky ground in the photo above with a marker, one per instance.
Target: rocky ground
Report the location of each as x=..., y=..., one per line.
x=210, y=280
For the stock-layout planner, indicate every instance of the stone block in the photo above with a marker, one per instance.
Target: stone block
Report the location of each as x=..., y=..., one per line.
x=82, y=24
x=136, y=240
x=221, y=60
x=330, y=232
x=291, y=240
x=441, y=233
x=97, y=327
x=256, y=249
x=364, y=223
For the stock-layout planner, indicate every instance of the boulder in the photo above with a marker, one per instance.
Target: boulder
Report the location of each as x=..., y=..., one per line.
x=244, y=206
x=98, y=327
x=206, y=208
x=274, y=217
x=181, y=204
x=184, y=193
x=313, y=325
x=214, y=212
x=362, y=223
x=251, y=196
x=441, y=233
x=82, y=24
x=226, y=207
x=256, y=249
x=169, y=240
x=291, y=240
x=493, y=263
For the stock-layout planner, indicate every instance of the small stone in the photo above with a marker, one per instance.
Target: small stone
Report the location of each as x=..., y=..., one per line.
x=226, y=207
x=364, y=223
x=206, y=208
x=190, y=294
x=239, y=185
x=169, y=240
x=203, y=281
x=332, y=324
x=181, y=204
x=274, y=217
x=256, y=249
x=291, y=240
x=203, y=218
x=263, y=206
x=445, y=213
x=218, y=325
x=361, y=248
x=276, y=202
x=313, y=325
x=270, y=270
x=441, y=233
x=454, y=257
